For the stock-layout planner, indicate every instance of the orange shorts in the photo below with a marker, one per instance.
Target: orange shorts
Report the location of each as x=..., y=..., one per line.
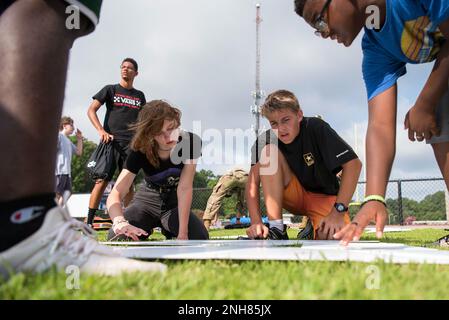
x=316, y=206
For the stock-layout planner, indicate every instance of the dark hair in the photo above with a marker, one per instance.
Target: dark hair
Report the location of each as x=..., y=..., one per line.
x=299, y=6
x=131, y=60
x=149, y=124
x=64, y=121
x=281, y=99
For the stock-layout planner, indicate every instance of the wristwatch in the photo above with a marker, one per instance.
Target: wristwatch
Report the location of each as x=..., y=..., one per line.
x=340, y=207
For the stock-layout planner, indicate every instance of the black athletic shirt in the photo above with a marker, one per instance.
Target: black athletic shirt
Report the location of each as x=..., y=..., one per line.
x=123, y=106
x=315, y=156
x=169, y=171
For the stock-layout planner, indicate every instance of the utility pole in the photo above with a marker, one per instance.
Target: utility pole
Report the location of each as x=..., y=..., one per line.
x=257, y=94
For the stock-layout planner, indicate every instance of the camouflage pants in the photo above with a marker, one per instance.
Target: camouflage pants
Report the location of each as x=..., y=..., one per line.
x=228, y=185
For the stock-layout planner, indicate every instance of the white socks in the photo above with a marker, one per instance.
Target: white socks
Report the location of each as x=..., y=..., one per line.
x=278, y=224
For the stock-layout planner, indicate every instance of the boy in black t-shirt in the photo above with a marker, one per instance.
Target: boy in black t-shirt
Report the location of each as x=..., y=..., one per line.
x=123, y=104
x=297, y=162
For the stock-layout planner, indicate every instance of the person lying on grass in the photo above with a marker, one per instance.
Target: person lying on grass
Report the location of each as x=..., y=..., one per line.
x=167, y=156
x=297, y=162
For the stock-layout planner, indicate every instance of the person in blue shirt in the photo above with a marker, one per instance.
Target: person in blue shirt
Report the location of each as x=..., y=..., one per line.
x=397, y=32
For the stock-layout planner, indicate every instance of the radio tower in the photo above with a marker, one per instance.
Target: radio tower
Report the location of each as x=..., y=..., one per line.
x=257, y=94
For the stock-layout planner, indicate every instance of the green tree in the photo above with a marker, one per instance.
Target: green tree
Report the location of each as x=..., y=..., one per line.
x=81, y=182
x=433, y=207
x=204, y=179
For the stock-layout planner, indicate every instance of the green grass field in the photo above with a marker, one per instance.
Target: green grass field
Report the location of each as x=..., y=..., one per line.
x=252, y=280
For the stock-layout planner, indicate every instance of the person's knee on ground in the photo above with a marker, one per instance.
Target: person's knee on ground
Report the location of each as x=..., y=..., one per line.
x=196, y=228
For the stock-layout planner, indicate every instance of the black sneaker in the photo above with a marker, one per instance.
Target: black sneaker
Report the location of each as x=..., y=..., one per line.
x=307, y=233
x=276, y=234
x=167, y=234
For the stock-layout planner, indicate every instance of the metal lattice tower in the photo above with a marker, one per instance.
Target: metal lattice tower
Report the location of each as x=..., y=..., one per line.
x=257, y=94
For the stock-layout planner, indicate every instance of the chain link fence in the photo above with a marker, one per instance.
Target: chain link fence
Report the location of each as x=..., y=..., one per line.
x=228, y=209
x=408, y=200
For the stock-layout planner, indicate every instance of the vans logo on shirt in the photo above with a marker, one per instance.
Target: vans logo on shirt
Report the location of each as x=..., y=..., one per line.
x=26, y=214
x=308, y=158
x=127, y=101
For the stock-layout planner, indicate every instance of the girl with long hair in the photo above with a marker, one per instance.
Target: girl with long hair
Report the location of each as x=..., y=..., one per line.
x=167, y=155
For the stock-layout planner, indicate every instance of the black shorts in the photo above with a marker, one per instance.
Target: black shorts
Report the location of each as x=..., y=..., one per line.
x=120, y=153
x=63, y=183
x=150, y=210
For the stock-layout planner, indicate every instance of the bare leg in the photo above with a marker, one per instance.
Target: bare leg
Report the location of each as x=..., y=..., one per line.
x=59, y=199
x=34, y=51
x=97, y=193
x=441, y=151
x=273, y=185
x=33, y=59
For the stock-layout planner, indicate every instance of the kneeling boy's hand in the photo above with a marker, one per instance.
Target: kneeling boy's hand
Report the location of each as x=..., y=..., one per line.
x=257, y=231
x=371, y=211
x=331, y=224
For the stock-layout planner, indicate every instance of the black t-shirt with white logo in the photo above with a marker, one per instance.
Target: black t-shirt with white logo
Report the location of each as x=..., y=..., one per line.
x=169, y=171
x=123, y=106
x=315, y=156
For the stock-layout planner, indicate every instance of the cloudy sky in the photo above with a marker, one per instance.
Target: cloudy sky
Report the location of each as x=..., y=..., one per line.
x=200, y=55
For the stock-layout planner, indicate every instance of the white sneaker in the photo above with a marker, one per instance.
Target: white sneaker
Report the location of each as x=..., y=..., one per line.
x=63, y=241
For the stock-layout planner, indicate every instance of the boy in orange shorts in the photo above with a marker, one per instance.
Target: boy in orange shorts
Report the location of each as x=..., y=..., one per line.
x=296, y=162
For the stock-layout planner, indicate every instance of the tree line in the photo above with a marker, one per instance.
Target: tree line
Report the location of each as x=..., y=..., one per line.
x=432, y=207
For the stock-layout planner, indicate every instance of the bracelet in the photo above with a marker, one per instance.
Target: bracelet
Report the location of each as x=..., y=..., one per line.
x=118, y=220
x=122, y=224
x=374, y=198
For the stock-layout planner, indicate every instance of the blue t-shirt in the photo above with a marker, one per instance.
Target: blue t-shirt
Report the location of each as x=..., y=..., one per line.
x=410, y=35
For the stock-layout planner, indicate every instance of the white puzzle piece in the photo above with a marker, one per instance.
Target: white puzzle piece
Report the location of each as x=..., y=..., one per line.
x=388, y=229
x=293, y=250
